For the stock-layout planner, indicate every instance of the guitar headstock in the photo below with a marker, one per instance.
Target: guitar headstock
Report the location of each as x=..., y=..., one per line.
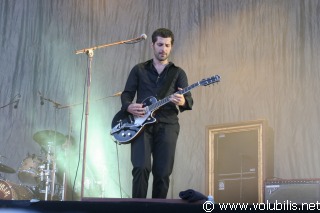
x=211, y=80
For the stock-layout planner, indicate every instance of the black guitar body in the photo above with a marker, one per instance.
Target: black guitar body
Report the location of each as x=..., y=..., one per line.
x=125, y=127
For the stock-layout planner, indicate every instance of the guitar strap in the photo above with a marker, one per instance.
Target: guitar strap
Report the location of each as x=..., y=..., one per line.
x=172, y=74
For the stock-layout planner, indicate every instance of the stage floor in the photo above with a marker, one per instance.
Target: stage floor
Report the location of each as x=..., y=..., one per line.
x=92, y=205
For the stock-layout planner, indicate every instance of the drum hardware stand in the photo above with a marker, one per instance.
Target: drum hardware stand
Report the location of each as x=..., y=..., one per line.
x=63, y=195
x=50, y=157
x=48, y=173
x=53, y=179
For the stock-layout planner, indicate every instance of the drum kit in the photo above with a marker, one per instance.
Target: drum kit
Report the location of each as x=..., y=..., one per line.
x=38, y=174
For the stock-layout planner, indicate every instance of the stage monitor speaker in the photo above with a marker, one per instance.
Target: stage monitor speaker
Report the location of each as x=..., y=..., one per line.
x=292, y=191
x=239, y=159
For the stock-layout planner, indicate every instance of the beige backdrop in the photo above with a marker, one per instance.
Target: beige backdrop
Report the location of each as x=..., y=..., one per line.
x=266, y=52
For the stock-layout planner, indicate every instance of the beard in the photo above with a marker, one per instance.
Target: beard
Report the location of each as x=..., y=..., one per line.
x=162, y=56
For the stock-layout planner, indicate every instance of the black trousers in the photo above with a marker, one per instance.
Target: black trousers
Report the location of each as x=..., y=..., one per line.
x=159, y=141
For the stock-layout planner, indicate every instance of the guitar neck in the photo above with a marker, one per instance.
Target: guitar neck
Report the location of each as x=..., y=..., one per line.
x=166, y=100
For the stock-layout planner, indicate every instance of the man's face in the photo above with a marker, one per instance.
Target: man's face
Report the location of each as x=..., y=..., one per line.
x=162, y=48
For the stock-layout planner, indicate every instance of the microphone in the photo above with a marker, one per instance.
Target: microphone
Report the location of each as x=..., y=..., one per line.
x=17, y=102
x=143, y=36
x=135, y=40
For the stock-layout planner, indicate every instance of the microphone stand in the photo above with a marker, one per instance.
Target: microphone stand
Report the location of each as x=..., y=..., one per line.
x=90, y=58
x=89, y=52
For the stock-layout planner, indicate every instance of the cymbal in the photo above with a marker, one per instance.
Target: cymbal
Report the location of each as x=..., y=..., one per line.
x=47, y=137
x=6, y=169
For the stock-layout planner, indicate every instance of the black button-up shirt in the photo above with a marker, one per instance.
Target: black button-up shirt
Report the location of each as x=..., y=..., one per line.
x=144, y=81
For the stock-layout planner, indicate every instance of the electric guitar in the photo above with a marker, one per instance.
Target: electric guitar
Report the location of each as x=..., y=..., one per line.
x=125, y=126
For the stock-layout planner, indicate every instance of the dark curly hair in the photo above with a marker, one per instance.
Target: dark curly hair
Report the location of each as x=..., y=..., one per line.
x=164, y=33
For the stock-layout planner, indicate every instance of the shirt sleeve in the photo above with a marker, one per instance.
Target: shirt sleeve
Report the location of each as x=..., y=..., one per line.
x=182, y=82
x=130, y=89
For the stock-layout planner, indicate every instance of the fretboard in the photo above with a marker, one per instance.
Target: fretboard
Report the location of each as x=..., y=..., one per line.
x=166, y=100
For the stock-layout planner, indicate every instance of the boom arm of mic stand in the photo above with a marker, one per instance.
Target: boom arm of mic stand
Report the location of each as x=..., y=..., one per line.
x=86, y=50
x=56, y=105
x=11, y=102
x=73, y=105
